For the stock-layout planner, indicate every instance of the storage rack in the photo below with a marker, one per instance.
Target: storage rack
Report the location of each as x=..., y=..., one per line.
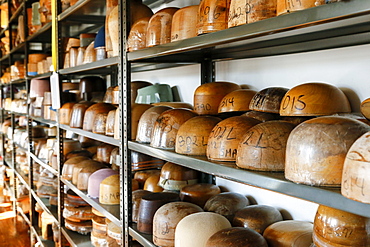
x=324, y=27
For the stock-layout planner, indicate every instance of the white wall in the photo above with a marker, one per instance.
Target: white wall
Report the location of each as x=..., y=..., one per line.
x=348, y=68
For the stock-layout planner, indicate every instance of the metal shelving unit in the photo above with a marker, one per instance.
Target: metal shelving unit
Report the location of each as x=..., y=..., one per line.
x=75, y=239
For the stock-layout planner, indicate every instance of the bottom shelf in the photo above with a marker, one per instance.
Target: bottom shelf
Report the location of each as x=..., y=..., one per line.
x=144, y=239
x=75, y=239
x=36, y=231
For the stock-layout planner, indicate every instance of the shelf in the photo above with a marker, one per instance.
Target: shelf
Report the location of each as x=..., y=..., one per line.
x=266, y=180
x=40, y=76
x=17, y=113
x=97, y=137
x=4, y=60
x=43, y=164
x=42, y=35
x=99, y=67
x=45, y=205
x=85, y=11
x=14, y=17
x=18, y=81
x=323, y=27
x=19, y=49
x=24, y=216
x=20, y=147
x=37, y=232
x=22, y=177
x=76, y=239
x=112, y=212
x=144, y=239
x=139, y=67
x=44, y=121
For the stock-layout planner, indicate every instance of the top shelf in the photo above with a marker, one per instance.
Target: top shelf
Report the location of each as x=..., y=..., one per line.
x=324, y=27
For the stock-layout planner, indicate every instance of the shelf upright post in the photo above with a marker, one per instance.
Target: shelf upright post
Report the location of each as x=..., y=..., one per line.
x=207, y=70
x=124, y=78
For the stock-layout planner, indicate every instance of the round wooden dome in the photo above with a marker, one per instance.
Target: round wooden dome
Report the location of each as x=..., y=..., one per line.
x=326, y=141
x=78, y=113
x=166, y=219
x=212, y=16
x=224, y=139
x=192, y=136
x=109, y=125
x=284, y=7
x=289, y=233
x=136, y=111
x=78, y=167
x=137, y=36
x=70, y=145
x=138, y=10
x=314, y=99
x=90, y=84
x=195, y=229
x=69, y=164
x=262, y=116
x=109, y=191
x=263, y=146
x=365, y=108
x=159, y=27
x=226, y=204
x=337, y=228
x=208, y=97
x=257, y=217
x=149, y=205
x=100, y=123
x=166, y=127
x=147, y=121
x=199, y=193
x=268, y=99
x=92, y=112
x=236, y=237
x=65, y=113
x=38, y=87
x=140, y=161
x=142, y=176
x=95, y=179
x=103, y=152
x=174, y=177
x=236, y=101
x=151, y=183
x=84, y=175
x=184, y=23
x=356, y=171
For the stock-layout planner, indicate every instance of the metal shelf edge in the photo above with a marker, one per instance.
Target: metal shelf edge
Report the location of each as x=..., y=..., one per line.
x=90, y=66
x=266, y=180
x=104, y=209
x=75, y=239
x=43, y=164
x=143, y=239
x=46, y=207
x=45, y=121
x=98, y=137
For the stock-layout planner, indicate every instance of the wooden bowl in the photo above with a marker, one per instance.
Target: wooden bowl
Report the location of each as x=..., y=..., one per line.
x=236, y=237
x=92, y=112
x=327, y=152
x=109, y=192
x=78, y=113
x=199, y=193
x=208, y=97
x=284, y=7
x=313, y=99
x=159, y=27
x=137, y=36
x=149, y=205
x=184, y=23
x=236, y=101
x=65, y=113
x=335, y=228
x=136, y=111
x=166, y=219
x=147, y=121
x=357, y=168
x=212, y=16
x=195, y=229
x=166, y=127
x=289, y=233
x=257, y=217
x=224, y=139
x=268, y=99
x=192, y=136
x=263, y=146
x=174, y=177
x=226, y=204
